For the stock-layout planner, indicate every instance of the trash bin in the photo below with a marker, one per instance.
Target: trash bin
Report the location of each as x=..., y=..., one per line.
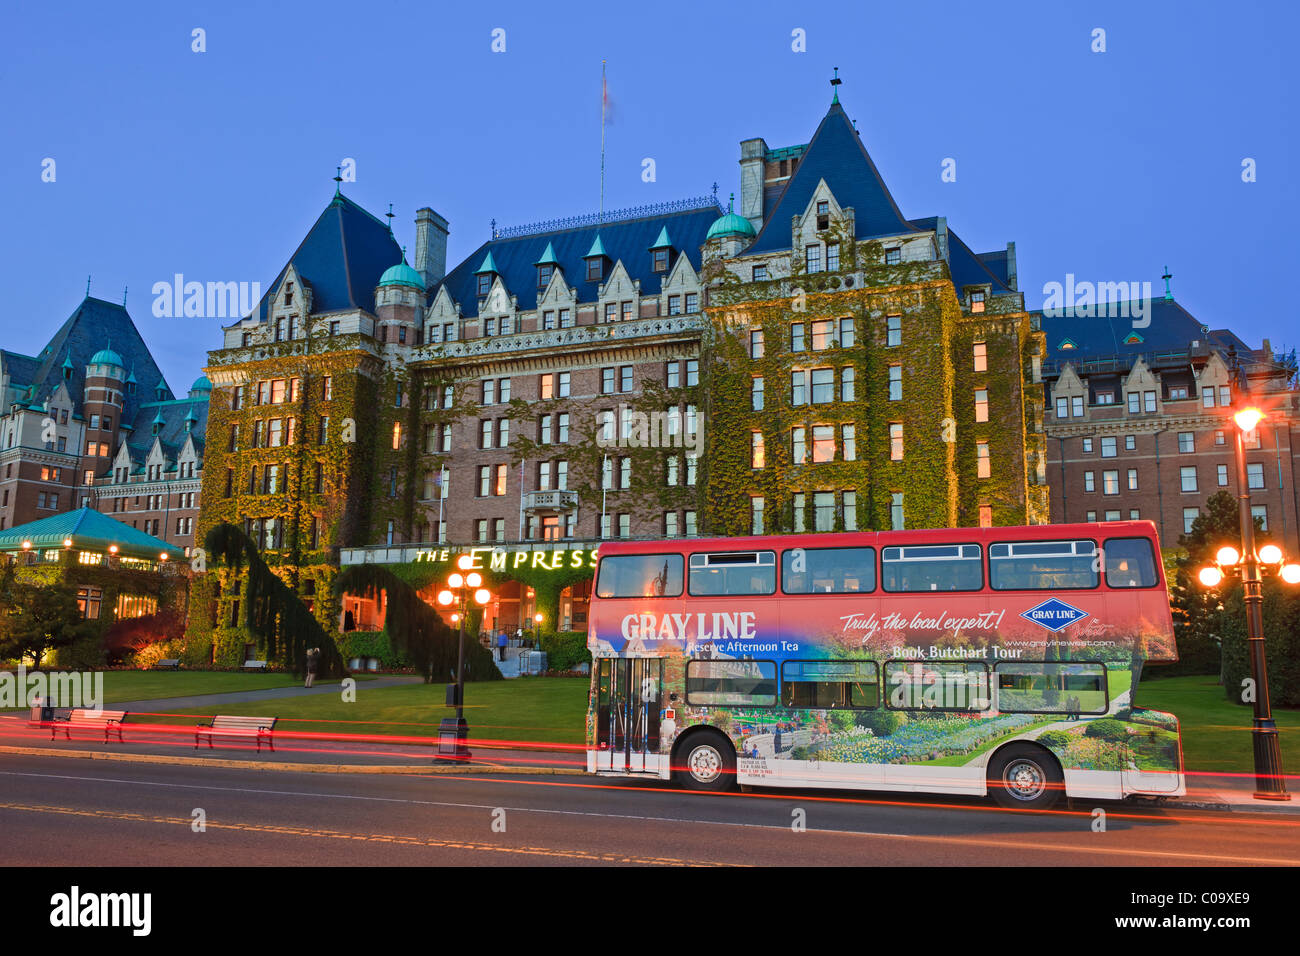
x=453, y=732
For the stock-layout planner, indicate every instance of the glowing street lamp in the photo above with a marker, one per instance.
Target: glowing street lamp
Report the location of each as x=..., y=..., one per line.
x=463, y=586
x=1270, y=784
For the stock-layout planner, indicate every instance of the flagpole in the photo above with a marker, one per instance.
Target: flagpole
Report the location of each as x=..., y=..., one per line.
x=521, y=500
x=604, y=463
x=604, y=107
x=442, y=496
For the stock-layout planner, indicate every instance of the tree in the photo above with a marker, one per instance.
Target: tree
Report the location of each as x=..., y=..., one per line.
x=38, y=618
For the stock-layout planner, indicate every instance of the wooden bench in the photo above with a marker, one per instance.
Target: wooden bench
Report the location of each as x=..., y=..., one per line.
x=172, y=665
x=256, y=728
x=253, y=665
x=109, y=721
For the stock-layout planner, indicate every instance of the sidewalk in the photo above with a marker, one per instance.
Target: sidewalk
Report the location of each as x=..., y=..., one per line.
x=1235, y=793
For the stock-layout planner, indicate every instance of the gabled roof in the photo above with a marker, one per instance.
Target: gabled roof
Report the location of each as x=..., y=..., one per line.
x=343, y=257
x=90, y=531
x=1172, y=329
x=835, y=154
x=627, y=241
x=965, y=266
x=172, y=434
x=91, y=325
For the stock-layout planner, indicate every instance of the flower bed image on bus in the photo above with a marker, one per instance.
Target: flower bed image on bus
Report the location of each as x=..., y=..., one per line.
x=971, y=661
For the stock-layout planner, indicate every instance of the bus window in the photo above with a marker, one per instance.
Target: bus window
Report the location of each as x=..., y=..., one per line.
x=1130, y=563
x=733, y=573
x=851, y=685
x=731, y=683
x=942, y=567
x=640, y=575
x=1043, y=565
x=933, y=685
x=1051, y=688
x=828, y=570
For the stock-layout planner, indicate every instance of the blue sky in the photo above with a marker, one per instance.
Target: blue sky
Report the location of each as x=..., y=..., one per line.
x=1108, y=165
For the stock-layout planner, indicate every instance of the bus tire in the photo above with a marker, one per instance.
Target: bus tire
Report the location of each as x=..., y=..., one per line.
x=705, y=760
x=1025, y=777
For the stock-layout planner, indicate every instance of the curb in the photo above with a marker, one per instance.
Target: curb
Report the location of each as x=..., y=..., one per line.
x=420, y=769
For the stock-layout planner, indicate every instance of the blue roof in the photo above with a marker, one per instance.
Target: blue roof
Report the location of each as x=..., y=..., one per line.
x=835, y=154
x=1172, y=328
x=965, y=267
x=93, y=323
x=342, y=258
x=628, y=240
x=89, y=530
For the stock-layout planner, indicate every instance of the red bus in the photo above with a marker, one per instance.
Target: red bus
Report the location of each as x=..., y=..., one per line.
x=964, y=660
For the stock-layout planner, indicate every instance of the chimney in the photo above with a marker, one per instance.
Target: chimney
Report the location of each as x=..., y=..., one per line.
x=1011, y=267
x=430, y=246
x=941, y=236
x=752, y=175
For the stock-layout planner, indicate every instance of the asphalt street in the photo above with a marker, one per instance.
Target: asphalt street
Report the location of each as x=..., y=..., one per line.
x=67, y=812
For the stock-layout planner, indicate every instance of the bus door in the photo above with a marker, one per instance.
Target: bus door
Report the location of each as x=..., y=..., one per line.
x=627, y=714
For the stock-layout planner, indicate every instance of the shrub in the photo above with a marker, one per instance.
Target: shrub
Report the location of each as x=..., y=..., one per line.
x=1107, y=729
x=1054, y=739
x=565, y=650
x=882, y=723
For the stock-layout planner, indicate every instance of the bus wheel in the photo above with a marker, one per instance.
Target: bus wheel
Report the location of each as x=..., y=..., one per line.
x=706, y=762
x=1025, y=777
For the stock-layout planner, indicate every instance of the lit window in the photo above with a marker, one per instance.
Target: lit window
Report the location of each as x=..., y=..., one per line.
x=981, y=357
x=895, y=441
x=983, y=464
x=981, y=405
x=756, y=455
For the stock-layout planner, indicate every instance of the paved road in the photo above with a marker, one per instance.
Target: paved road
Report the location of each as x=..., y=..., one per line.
x=73, y=812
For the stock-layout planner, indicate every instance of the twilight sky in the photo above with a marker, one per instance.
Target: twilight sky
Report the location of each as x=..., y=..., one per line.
x=214, y=164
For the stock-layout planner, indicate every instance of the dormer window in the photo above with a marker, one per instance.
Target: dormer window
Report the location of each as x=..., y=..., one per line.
x=484, y=275
x=484, y=285
x=659, y=260
x=977, y=302
x=544, y=273
x=288, y=293
x=595, y=269
x=823, y=215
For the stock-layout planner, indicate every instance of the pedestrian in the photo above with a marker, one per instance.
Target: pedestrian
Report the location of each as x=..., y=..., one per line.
x=501, y=645
x=313, y=656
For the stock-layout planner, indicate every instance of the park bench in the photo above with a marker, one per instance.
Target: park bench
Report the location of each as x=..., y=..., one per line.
x=109, y=721
x=253, y=728
x=172, y=664
x=253, y=665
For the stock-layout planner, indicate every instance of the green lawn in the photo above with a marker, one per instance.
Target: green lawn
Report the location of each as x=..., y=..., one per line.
x=543, y=709
x=1216, y=733
x=153, y=684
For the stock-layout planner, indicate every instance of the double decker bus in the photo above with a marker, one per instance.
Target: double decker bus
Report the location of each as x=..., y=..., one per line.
x=965, y=661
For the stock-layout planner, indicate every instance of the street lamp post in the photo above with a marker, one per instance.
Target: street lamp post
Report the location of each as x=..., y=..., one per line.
x=460, y=590
x=1270, y=784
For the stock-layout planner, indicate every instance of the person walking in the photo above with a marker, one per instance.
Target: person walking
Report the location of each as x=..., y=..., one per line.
x=313, y=657
x=501, y=645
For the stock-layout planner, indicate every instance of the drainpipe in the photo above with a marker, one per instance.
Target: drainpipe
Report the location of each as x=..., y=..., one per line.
x=1160, y=491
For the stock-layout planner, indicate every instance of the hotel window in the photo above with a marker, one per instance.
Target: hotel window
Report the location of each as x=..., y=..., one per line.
x=756, y=505
x=660, y=260
x=1255, y=476
x=847, y=336
x=759, y=274
x=491, y=327
x=625, y=378
x=756, y=455
x=981, y=357
x=562, y=385
x=397, y=435
x=562, y=422
x=546, y=387
x=446, y=439
x=833, y=257
x=692, y=372
x=1133, y=514
x=561, y=474
x=982, y=462
x=670, y=471
x=1089, y=481
x=1187, y=477
x=798, y=504
x=1110, y=482
x=797, y=446
x=986, y=516
x=1132, y=479
x=1149, y=401
x=489, y=392
x=823, y=386
x=674, y=305
x=692, y=302
x=847, y=375
x=823, y=215
x=1112, y=515
x=848, y=441
x=1062, y=408
x=796, y=337
x=1222, y=475
x=611, y=311
x=1091, y=516
x=485, y=433
x=1225, y=395
x=566, y=319
x=1087, y=446
x=625, y=473
x=1108, y=449
x=756, y=394
x=674, y=376
x=1186, y=442
x=813, y=258
x=548, y=320
x=893, y=256
x=1249, y=439
x=981, y=405
x=895, y=383
x=824, y=511
x=544, y=275
x=1130, y=443
x=1189, y=518
x=893, y=330
x=481, y=530
x=1105, y=398
x=756, y=344
x=278, y=391
x=1220, y=438
x=1260, y=512
x=1133, y=399
x=896, y=511
x=606, y=381
x=484, y=481
x=1207, y=396
x=627, y=311
x=849, y=508
x=1177, y=392
x=977, y=302
x=798, y=387
x=625, y=526
x=544, y=476
x=670, y=524
x=895, y=441
x=544, y=430
x=823, y=443
x=594, y=269
x=1076, y=406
